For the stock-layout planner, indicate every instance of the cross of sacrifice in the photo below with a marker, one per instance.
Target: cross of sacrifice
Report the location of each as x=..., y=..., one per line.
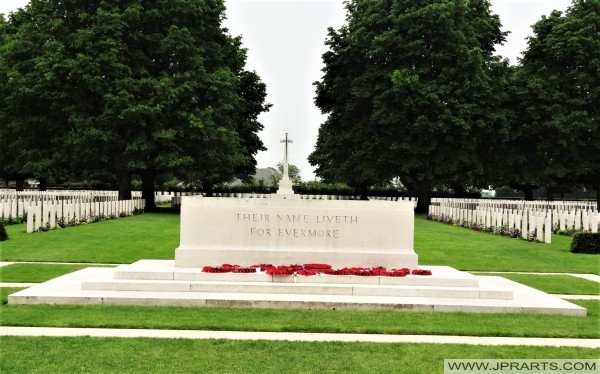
x=285, y=156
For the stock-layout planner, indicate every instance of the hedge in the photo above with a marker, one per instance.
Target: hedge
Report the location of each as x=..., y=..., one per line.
x=3, y=234
x=586, y=242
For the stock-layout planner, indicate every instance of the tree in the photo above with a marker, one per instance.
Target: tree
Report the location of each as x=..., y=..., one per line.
x=560, y=80
x=138, y=87
x=5, y=171
x=408, y=90
x=29, y=110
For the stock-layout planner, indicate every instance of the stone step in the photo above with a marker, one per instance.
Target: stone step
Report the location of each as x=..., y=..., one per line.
x=163, y=270
x=67, y=290
x=297, y=288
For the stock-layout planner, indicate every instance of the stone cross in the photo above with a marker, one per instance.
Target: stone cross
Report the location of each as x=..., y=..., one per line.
x=285, y=156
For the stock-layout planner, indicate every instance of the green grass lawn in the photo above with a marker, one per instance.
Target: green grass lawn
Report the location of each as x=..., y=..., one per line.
x=111, y=355
x=123, y=240
x=441, y=244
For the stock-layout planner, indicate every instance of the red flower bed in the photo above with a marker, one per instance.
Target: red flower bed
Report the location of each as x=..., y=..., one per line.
x=421, y=272
x=313, y=269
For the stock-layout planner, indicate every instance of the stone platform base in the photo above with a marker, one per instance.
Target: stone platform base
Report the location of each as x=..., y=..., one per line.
x=157, y=282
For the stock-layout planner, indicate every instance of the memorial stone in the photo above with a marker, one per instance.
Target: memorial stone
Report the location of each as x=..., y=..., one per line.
x=341, y=233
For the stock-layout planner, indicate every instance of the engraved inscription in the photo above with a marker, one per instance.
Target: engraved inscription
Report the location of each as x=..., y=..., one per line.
x=252, y=217
x=292, y=218
x=302, y=233
x=337, y=219
x=270, y=225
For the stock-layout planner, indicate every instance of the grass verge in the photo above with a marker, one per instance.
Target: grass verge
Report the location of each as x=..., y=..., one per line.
x=36, y=273
x=86, y=354
x=554, y=284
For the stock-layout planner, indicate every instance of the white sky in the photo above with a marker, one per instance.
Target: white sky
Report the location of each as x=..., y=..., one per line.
x=285, y=41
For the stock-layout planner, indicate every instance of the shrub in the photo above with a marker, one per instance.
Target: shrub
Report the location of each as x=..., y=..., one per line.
x=3, y=234
x=567, y=232
x=586, y=242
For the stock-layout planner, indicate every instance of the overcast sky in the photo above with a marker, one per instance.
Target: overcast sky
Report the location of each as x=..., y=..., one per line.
x=285, y=41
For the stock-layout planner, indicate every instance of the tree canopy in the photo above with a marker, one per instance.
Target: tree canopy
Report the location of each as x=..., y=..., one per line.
x=132, y=87
x=413, y=89
x=559, y=97
x=406, y=87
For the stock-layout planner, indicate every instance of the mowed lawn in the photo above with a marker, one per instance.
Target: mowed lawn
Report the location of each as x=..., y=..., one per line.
x=119, y=241
x=441, y=244
x=156, y=235
x=111, y=355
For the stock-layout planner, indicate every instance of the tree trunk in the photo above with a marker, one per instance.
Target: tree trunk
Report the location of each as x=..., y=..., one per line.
x=20, y=184
x=208, y=189
x=364, y=193
x=424, y=196
x=43, y=184
x=528, y=191
x=148, y=192
x=459, y=190
x=549, y=194
x=124, y=185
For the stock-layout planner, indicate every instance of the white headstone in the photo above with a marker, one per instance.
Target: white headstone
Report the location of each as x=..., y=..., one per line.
x=30, y=218
x=524, y=226
x=38, y=216
x=539, y=232
x=548, y=230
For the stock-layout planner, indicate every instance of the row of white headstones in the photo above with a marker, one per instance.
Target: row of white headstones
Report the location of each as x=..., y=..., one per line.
x=50, y=216
x=534, y=220
x=176, y=199
x=49, y=209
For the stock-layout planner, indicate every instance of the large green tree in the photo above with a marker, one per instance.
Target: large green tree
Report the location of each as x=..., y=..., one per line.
x=512, y=158
x=559, y=80
x=29, y=106
x=137, y=87
x=408, y=89
x=4, y=152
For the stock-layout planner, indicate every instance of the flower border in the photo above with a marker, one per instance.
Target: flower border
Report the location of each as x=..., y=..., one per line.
x=314, y=269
